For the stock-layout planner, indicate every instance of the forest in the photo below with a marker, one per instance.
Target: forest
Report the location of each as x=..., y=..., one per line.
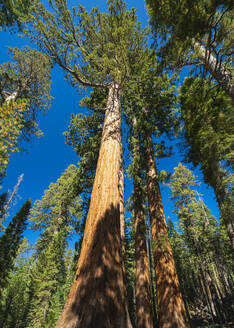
x=121, y=236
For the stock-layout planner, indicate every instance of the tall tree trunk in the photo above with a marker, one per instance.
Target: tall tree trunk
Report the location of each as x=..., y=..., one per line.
x=151, y=282
x=97, y=299
x=143, y=294
x=122, y=238
x=210, y=301
x=217, y=70
x=170, y=304
x=121, y=206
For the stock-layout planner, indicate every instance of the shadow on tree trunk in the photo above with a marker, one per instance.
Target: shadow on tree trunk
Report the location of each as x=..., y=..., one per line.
x=97, y=296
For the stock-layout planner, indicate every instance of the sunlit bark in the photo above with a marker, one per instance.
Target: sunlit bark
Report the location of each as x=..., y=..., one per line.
x=170, y=305
x=222, y=75
x=97, y=296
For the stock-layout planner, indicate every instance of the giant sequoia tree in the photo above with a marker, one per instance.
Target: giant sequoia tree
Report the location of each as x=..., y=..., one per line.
x=96, y=49
x=151, y=101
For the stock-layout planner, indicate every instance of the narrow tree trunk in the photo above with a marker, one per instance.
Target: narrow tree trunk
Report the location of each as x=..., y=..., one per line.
x=210, y=302
x=217, y=70
x=151, y=283
x=143, y=295
x=170, y=305
x=122, y=238
x=227, y=216
x=121, y=206
x=205, y=295
x=97, y=299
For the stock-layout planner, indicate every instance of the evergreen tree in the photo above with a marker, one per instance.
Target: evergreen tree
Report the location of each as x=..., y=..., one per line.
x=59, y=207
x=129, y=260
x=96, y=49
x=13, y=13
x=15, y=300
x=3, y=202
x=47, y=275
x=84, y=135
x=26, y=76
x=10, y=242
x=200, y=231
x=167, y=283
x=57, y=214
x=12, y=116
x=196, y=33
x=24, y=91
x=151, y=101
x=143, y=295
x=208, y=131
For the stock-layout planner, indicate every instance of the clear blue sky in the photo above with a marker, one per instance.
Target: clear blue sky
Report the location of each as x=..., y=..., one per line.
x=46, y=158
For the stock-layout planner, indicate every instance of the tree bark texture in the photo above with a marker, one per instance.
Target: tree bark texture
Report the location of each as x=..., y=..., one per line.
x=143, y=294
x=170, y=305
x=96, y=298
x=217, y=70
x=151, y=281
x=122, y=237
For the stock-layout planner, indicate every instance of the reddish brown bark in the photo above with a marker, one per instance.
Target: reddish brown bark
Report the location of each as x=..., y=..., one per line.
x=143, y=293
x=97, y=297
x=122, y=238
x=170, y=305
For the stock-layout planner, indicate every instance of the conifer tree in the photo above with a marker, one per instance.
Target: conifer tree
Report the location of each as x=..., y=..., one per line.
x=46, y=277
x=24, y=91
x=151, y=100
x=26, y=76
x=107, y=43
x=208, y=131
x=57, y=214
x=15, y=300
x=84, y=134
x=199, y=230
x=10, y=242
x=14, y=13
x=196, y=33
x=3, y=202
x=167, y=283
x=130, y=268
x=59, y=208
x=143, y=295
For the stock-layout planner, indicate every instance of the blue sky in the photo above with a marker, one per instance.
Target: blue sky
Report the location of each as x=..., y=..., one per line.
x=47, y=157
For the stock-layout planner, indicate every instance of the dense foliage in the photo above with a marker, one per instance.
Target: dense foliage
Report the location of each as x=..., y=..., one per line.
x=108, y=55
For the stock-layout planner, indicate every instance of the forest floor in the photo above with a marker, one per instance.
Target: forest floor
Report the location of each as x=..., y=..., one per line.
x=202, y=318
